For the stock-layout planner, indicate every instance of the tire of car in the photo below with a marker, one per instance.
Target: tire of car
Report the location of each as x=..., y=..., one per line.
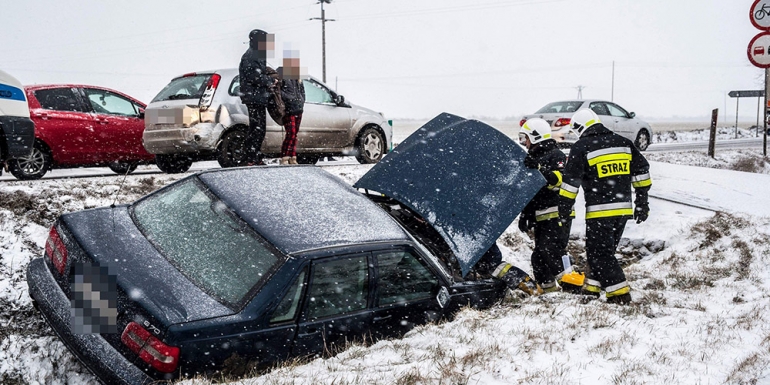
x=33, y=166
x=173, y=163
x=123, y=168
x=642, y=140
x=370, y=146
x=232, y=150
x=307, y=159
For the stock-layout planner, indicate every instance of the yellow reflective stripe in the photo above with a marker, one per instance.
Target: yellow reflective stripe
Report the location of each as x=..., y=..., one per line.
x=590, y=123
x=609, y=213
x=618, y=292
x=546, y=217
x=592, y=288
x=559, y=179
x=547, y=136
x=567, y=194
x=642, y=183
x=501, y=269
x=608, y=158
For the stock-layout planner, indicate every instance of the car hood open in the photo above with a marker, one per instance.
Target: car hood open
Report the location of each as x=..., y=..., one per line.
x=463, y=176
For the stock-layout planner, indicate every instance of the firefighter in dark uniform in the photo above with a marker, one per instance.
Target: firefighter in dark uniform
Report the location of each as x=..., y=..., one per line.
x=606, y=165
x=542, y=212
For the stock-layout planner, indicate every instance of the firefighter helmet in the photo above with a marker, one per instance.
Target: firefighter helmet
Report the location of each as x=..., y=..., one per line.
x=536, y=129
x=583, y=119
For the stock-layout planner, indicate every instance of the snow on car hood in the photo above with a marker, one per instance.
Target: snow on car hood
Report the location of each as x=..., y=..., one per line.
x=464, y=177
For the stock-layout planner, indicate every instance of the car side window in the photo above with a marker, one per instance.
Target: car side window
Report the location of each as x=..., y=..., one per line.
x=316, y=93
x=403, y=278
x=600, y=108
x=235, y=86
x=615, y=110
x=106, y=102
x=287, y=309
x=59, y=99
x=337, y=287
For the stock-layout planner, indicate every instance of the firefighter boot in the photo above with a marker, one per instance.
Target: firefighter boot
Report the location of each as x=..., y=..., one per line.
x=620, y=296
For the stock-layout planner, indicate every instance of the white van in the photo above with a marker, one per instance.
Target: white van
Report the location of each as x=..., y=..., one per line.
x=17, y=132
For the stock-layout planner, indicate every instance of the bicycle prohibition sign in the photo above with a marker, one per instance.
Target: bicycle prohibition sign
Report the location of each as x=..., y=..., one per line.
x=760, y=14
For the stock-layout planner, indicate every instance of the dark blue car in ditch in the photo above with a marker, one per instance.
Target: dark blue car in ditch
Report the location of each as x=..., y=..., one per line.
x=252, y=266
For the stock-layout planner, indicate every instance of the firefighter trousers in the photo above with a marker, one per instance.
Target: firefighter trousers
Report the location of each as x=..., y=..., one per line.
x=550, y=244
x=602, y=238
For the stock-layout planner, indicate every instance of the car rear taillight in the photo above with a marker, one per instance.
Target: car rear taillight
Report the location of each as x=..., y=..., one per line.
x=151, y=350
x=55, y=250
x=562, y=122
x=208, y=93
x=521, y=123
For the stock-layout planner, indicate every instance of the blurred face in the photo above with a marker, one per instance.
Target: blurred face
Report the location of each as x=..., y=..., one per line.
x=524, y=141
x=268, y=44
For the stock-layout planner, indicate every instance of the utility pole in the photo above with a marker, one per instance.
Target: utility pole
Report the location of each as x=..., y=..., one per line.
x=323, y=33
x=612, y=94
x=580, y=92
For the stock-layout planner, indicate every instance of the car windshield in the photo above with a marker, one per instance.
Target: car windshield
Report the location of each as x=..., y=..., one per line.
x=185, y=87
x=560, y=107
x=205, y=241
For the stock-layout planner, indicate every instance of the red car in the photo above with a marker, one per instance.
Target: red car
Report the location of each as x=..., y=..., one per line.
x=77, y=125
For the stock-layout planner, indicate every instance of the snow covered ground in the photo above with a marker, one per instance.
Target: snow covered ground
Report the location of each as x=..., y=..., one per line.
x=698, y=270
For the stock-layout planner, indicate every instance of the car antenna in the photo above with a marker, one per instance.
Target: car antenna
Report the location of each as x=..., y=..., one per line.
x=117, y=193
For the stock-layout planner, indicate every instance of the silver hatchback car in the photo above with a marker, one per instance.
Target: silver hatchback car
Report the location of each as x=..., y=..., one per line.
x=199, y=116
x=613, y=116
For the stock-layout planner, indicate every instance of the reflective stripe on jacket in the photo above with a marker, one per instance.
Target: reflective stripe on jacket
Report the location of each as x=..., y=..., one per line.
x=606, y=165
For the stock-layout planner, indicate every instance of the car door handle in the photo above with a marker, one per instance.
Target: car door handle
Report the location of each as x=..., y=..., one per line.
x=102, y=121
x=42, y=115
x=378, y=319
x=310, y=332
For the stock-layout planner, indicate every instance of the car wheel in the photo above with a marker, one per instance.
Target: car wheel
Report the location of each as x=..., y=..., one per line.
x=642, y=140
x=307, y=159
x=33, y=166
x=232, y=150
x=173, y=163
x=370, y=145
x=123, y=168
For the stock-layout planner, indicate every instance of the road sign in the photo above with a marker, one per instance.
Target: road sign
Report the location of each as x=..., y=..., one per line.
x=746, y=94
x=760, y=14
x=759, y=50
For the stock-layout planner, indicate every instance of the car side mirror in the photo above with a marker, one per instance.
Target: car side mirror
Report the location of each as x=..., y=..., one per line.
x=631, y=114
x=340, y=101
x=140, y=115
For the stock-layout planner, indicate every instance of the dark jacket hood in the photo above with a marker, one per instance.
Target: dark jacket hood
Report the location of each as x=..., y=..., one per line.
x=255, y=36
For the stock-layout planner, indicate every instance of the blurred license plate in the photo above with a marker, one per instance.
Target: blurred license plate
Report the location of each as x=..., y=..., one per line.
x=164, y=116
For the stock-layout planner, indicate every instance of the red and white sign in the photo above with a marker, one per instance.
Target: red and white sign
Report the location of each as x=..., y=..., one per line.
x=760, y=14
x=759, y=50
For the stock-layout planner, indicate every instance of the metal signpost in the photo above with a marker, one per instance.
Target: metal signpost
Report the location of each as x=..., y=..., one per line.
x=746, y=94
x=759, y=14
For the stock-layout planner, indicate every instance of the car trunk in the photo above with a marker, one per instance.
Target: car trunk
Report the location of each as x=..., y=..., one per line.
x=434, y=173
x=108, y=258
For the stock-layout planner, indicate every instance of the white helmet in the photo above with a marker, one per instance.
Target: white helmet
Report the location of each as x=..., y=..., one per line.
x=536, y=129
x=583, y=119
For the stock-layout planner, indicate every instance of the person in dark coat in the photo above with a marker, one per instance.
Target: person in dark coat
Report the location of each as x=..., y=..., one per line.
x=607, y=166
x=255, y=90
x=293, y=96
x=542, y=212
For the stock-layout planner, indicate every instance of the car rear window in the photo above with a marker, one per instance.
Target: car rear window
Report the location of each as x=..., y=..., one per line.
x=205, y=241
x=559, y=107
x=185, y=87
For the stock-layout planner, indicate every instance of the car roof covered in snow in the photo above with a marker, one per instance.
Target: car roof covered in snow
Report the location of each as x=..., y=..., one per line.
x=301, y=207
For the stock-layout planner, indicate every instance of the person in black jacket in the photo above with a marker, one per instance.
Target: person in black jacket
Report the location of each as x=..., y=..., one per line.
x=542, y=212
x=607, y=166
x=255, y=90
x=293, y=96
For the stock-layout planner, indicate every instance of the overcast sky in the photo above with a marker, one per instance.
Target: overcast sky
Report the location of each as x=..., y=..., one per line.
x=409, y=58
